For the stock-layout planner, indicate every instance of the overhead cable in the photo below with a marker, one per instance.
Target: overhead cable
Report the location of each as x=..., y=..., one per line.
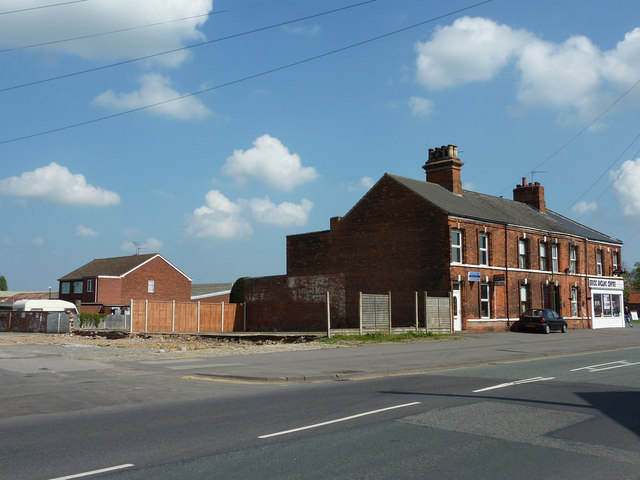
x=244, y=79
x=42, y=6
x=175, y=50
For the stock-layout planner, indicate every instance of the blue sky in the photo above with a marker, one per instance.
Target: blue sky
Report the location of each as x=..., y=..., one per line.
x=214, y=181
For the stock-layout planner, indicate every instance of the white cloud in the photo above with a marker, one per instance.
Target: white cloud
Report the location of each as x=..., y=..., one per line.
x=270, y=161
x=284, y=214
x=584, y=207
x=37, y=241
x=421, y=107
x=56, y=184
x=470, y=50
x=574, y=77
x=626, y=181
x=219, y=218
x=365, y=183
x=154, y=89
x=83, y=231
x=67, y=21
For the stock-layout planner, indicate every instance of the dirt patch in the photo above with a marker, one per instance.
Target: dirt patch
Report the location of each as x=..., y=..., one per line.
x=167, y=343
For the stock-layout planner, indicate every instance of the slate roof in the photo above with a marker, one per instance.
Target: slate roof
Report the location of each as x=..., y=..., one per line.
x=478, y=206
x=210, y=289
x=109, y=267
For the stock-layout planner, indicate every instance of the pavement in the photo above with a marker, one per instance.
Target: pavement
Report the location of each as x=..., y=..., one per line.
x=380, y=359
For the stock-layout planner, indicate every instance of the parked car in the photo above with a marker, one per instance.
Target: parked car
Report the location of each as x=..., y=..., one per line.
x=541, y=320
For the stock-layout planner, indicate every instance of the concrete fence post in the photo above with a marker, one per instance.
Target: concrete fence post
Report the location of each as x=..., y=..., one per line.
x=360, y=310
x=328, y=317
x=130, y=316
x=146, y=315
x=389, y=295
x=198, y=316
x=173, y=316
x=222, y=317
x=426, y=313
x=416, y=295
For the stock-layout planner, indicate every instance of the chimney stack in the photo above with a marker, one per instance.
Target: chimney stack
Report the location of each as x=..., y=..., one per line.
x=443, y=168
x=531, y=194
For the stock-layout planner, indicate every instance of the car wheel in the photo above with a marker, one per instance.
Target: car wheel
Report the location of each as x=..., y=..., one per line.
x=564, y=328
x=546, y=328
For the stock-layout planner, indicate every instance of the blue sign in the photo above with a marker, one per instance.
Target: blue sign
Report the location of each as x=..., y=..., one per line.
x=474, y=276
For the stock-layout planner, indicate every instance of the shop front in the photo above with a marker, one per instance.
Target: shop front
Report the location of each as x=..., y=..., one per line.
x=607, y=308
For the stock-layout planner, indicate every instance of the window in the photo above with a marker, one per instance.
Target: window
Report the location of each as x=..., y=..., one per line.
x=77, y=287
x=554, y=257
x=151, y=286
x=543, y=257
x=573, y=259
x=483, y=249
x=574, y=301
x=615, y=261
x=484, y=300
x=456, y=246
x=90, y=285
x=524, y=296
x=598, y=262
x=65, y=287
x=522, y=253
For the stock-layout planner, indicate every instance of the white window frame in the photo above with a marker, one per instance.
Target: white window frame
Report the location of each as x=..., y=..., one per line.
x=573, y=259
x=77, y=287
x=615, y=261
x=151, y=286
x=522, y=253
x=524, y=294
x=484, y=287
x=456, y=246
x=544, y=265
x=90, y=285
x=598, y=262
x=554, y=258
x=574, y=301
x=483, y=249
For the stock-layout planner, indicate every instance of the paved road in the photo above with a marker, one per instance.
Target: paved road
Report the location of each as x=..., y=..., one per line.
x=557, y=417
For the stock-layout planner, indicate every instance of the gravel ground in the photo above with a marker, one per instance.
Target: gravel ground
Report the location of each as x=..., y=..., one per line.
x=124, y=345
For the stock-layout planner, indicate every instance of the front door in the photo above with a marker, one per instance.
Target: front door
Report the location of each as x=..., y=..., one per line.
x=457, y=307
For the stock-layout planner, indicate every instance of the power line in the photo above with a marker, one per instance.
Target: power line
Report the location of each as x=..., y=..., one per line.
x=167, y=52
x=42, y=6
x=584, y=129
x=240, y=80
x=138, y=27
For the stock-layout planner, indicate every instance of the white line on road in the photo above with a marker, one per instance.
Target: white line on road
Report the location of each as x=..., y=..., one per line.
x=95, y=472
x=606, y=366
x=517, y=382
x=344, y=419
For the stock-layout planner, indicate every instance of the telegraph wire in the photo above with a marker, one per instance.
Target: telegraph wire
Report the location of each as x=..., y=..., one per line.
x=138, y=27
x=167, y=52
x=584, y=129
x=244, y=79
x=42, y=6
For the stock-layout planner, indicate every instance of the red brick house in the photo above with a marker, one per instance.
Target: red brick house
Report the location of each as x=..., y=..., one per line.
x=107, y=283
x=494, y=256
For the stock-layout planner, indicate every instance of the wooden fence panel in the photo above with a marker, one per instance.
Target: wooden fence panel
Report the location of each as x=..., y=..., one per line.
x=161, y=316
x=186, y=317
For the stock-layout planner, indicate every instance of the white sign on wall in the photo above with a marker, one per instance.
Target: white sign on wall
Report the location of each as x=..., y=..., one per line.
x=608, y=284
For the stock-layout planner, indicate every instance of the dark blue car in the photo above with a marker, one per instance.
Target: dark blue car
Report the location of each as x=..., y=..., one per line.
x=541, y=320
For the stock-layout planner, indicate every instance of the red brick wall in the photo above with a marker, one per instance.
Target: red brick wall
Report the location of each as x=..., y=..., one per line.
x=110, y=291
x=294, y=303
x=169, y=283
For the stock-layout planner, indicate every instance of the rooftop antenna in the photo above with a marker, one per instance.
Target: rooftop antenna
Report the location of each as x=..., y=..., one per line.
x=533, y=172
x=138, y=246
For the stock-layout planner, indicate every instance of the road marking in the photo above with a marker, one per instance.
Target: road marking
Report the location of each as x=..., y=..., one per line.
x=606, y=366
x=517, y=382
x=337, y=420
x=204, y=365
x=95, y=472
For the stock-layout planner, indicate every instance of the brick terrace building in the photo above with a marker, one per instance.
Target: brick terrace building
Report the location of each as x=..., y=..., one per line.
x=495, y=256
x=107, y=283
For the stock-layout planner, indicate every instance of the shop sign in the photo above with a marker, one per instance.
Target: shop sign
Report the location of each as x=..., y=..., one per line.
x=606, y=283
x=499, y=280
